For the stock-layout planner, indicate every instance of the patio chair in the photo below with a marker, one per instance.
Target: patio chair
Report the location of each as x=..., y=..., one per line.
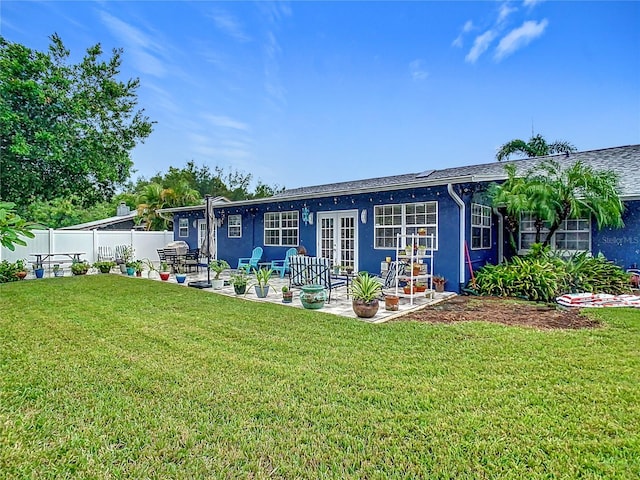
x=282, y=266
x=105, y=254
x=192, y=259
x=249, y=263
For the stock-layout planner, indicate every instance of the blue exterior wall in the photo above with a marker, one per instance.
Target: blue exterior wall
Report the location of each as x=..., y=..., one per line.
x=620, y=245
x=446, y=258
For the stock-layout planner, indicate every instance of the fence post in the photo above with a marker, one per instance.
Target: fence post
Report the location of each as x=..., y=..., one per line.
x=95, y=246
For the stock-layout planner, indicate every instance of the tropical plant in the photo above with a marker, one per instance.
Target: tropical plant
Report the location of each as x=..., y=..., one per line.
x=239, y=278
x=537, y=146
x=12, y=226
x=263, y=275
x=21, y=265
x=8, y=272
x=438, y=279
x=218, y=266
x=553, y=194
x=365, y=288
x=164, y=266
x=155, y=196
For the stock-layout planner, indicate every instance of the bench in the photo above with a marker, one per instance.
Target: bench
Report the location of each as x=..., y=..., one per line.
x=304, y=270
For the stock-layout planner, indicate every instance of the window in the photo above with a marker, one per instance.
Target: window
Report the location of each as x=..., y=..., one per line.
x=574, y=234
x=234, y=226
x=405, y=219
x=281, y=228
x=480, y=226
x=183, y=227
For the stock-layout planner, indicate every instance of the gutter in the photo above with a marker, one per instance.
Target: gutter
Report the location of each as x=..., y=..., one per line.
x=500, y=235
x=462, y=229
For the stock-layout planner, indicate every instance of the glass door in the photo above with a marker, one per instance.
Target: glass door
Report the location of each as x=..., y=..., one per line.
x=338, y=237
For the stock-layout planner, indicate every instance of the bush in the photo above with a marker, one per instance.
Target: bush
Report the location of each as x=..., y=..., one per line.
x=543, y=276
x=8, y=272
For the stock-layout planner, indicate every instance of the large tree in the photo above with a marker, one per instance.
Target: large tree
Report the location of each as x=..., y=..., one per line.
x=537, y=146
x=65, y=129
x=553, y=194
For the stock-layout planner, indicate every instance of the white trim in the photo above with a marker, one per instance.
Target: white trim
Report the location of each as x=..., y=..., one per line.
x=337, y=215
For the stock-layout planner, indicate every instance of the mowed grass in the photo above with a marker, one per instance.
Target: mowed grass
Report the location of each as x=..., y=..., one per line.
x=106, y=376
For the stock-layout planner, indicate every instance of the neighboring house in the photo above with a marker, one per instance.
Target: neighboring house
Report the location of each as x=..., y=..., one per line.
x=355, y=223
x=124, y=220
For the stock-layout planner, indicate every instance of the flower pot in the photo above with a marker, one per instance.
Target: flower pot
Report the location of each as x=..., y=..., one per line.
x=420, y=288
x=439, y=287
x=164, y=276
x=123, y=268
x=181, y=277
x=104, y=269
x=21, y=275
x=217, y=283
x=131, y=271
x=313, y=296
x=391, y=303
x=365, y=309
x=240, y=289
x=408, y=289
x=287, y=297
x=39, y=272
x=261, y=291
x=138, y=274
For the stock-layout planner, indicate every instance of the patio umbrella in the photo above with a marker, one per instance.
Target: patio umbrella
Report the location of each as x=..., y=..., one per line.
x=207, y=245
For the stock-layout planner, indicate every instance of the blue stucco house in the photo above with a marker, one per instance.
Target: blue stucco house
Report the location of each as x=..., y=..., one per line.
x=356, y=222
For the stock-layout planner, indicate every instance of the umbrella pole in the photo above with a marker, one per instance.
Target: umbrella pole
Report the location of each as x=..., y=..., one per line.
x=207, y=284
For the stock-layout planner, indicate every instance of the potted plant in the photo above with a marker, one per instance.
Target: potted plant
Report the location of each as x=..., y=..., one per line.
x=104, y=266
x=420, y=287
x=38, y=270
x=262, y=278
x=313, y=296
x=287, y=295
x=408, y=289
x=138, y=266
x=218, y=266
x=131, y=267
x=181, y=276
x=239, y=282
x=365, y=291
x=439, y=282
x=21, y=271
x=391, y=302
x=57, y=271
x=164, y=271
x=153, y=271
x=126, y=259
x=79, y=268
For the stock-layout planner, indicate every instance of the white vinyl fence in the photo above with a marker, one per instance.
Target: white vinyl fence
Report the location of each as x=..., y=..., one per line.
x=145, y=244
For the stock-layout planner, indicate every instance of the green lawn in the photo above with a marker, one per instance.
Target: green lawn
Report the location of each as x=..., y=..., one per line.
x=106, y=376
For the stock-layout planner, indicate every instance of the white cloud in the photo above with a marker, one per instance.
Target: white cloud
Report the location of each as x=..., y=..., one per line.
x=417, y=70
x=467, y=27
x=226, y=122
x=480, y=45
x=229, y=25
x=505, y=11
x=531, y=3
x=520, y=37
x=138, y=44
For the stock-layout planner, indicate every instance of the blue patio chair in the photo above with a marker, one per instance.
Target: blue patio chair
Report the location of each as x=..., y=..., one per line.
x=249, y=263
x=282, y=266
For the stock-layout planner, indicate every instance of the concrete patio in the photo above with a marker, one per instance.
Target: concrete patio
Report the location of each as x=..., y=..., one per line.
x=340, y=304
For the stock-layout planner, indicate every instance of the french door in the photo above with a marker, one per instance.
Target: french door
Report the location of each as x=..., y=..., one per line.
x=337, y=237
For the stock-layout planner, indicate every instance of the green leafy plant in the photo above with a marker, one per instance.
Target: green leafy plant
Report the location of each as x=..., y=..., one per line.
x=285, y=289
x=8, y=272
x=21, y=265
x=12, y=227
x=263, y=275
x=164, y=266
x=366, y=288
x=239, y=278
x=79, y=268
x=218, y=266
x=104, y=266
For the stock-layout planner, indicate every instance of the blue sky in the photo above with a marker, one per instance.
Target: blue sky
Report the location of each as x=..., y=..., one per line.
x=306, y=93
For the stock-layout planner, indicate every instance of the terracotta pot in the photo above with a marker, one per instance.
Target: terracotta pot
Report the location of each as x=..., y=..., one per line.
x=391, y=303
x=21, y=275
x=420, y=288
x=408, y=290
x=365, y=309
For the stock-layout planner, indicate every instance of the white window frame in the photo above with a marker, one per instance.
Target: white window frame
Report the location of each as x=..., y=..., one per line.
x=391, y=219
x=183, y=225
x=234, y=226
x=582, y=226
x=281, y=225
x=481, y=224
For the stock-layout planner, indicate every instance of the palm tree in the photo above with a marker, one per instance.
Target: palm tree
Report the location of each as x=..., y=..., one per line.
x=553, y=194
x=151, y=198
x=536, y=147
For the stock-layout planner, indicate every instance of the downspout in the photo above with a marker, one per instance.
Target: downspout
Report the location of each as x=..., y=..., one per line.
x=462, y=229
x=500, y=235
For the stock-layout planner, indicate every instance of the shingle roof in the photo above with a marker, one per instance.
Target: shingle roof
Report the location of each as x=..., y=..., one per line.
x=623, y=160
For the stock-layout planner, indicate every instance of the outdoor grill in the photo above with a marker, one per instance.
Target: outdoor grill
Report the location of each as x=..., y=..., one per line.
x=180, y=245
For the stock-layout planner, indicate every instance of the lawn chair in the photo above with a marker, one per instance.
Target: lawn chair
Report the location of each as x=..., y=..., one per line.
x=249, y=263
x=105, y=254
x=282, y=266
